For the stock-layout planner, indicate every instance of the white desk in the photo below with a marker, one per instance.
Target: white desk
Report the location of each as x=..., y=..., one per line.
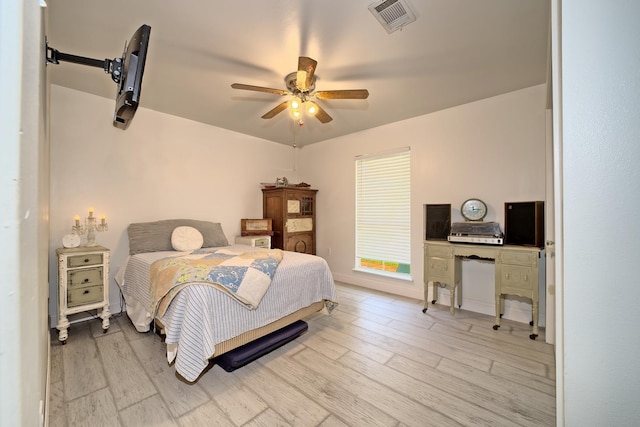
x=518, y=271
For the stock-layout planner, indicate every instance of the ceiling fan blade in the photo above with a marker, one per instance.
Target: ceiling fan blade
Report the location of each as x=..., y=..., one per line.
x=323, y=116
x=277, y=109
x=306, y=70
x=259, y=89
x=343, y=94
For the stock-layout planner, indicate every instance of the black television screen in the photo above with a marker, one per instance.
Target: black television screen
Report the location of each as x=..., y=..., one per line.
x=131, y=72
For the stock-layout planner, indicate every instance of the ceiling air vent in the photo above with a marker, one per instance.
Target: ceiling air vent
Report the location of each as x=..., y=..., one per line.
x=392, y=14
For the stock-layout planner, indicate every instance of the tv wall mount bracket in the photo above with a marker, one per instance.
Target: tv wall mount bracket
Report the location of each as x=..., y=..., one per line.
x=110, y=66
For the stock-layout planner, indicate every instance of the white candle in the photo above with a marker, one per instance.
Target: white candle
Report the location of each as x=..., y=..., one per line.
x=103, y=219
x=90, y=212
x=77, y=218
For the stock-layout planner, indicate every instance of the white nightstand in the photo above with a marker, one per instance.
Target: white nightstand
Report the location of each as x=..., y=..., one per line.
x=83, y=284
x=256, y=241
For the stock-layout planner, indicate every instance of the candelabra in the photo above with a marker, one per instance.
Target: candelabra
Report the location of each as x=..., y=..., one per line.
x=90, y=227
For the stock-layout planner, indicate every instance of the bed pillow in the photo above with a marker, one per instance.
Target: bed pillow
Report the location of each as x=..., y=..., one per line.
x=186, y=239
x=156, y=236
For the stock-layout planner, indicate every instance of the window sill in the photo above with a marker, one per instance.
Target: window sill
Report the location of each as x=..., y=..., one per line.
x=399, y=276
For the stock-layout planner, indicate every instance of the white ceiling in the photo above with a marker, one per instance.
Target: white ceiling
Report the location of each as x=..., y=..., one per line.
x=457, y=51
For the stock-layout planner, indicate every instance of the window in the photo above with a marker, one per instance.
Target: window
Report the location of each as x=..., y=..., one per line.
x=383, y=213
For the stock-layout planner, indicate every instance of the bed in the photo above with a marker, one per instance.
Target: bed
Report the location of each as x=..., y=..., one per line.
x=204, y=320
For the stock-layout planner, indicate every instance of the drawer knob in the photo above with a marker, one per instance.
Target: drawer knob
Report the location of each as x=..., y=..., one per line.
x=85, y=281
x=85, y=292
x=86, y=260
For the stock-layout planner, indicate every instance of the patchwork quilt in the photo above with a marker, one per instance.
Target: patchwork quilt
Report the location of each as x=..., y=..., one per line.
x=245, y=276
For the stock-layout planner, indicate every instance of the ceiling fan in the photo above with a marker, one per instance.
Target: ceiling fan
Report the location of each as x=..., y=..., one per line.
x=301, y=85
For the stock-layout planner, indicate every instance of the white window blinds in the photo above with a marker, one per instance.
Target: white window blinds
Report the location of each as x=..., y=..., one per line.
x=383, y=207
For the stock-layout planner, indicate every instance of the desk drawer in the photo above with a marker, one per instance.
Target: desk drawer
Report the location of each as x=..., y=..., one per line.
x=518, y=278
x=84, y=278
x=84, y=296
x=440, y=251
x=519, y=257
x=87, y=259
x=439, y=267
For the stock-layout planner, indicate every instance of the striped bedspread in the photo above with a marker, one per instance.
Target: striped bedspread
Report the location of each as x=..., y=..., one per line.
x=201, y=316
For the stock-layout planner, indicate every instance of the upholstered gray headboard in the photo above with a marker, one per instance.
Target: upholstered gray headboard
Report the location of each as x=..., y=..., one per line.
x=156, y=236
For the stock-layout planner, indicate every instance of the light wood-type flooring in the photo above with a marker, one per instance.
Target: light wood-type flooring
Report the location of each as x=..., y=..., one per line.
x=377, y=360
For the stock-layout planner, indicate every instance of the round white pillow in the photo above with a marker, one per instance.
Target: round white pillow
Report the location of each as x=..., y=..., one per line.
x=185, y=239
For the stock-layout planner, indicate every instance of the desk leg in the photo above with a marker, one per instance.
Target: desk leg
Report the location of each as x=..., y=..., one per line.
x=435, y=291
x=534, y=308
x=452, y=290
x=498, y=311
x=426, y=297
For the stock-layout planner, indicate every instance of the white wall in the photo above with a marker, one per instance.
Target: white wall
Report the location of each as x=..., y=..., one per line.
x=161, y=167
x=601, y=153
x=23, y=216
x=493, y=149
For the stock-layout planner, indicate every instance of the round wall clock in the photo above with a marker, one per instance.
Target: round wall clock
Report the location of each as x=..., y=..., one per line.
x=473, y=210
x=71, y=240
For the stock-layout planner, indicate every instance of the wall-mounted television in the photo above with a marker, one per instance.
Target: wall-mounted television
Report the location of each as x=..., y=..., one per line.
x=127, y=71
x=130, y=86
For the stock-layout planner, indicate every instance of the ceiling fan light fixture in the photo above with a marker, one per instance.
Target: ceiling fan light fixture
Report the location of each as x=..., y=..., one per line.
x=295, y=107
x=312, y=108
x=295, y=104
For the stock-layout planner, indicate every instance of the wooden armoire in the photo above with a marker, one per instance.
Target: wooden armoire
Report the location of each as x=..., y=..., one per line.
x=293, y=212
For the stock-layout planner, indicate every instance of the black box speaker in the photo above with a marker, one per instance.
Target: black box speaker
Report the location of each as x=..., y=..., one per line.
x=438, y=222
x=524, y=223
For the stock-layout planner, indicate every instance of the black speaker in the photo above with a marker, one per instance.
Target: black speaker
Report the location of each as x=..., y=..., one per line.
x=524, y=223
x=438, y=220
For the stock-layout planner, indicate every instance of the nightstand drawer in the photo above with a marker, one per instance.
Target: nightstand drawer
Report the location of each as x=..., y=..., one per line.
x=85, y=277
x=255, y=241
x=81, y=260
x=262, y=242
x=83, y=296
